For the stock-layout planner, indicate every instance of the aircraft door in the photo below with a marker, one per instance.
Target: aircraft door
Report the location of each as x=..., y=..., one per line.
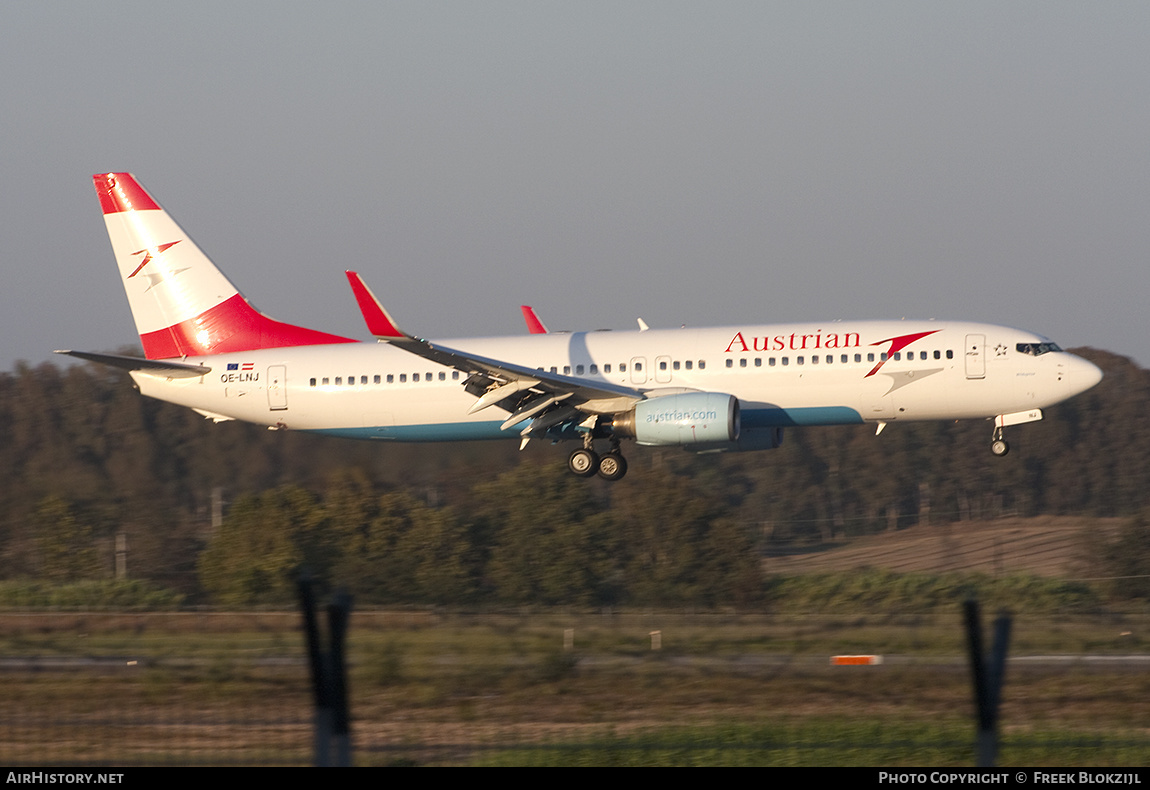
x=638, y=370
x=975, y=356
x=277, y=387
x=663, y=370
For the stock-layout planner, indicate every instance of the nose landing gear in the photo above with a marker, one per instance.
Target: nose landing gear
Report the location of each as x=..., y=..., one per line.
x=998, y=444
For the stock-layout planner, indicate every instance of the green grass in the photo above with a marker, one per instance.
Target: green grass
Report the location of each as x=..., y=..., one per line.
x=725, y=689
x=819, y=742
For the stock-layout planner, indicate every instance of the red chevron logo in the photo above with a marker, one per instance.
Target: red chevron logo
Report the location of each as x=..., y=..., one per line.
x=897, y=344
x=149, y=254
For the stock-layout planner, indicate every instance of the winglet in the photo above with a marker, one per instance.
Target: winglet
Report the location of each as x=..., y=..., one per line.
x=534, y=325
x=379, y=323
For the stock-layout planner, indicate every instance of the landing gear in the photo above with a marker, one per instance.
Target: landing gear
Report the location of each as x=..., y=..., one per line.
x=998, y=444
x=584, y=462
x=612, y=466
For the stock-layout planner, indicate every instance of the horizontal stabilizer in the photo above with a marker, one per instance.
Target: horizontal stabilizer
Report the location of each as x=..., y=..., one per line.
x=172, y=370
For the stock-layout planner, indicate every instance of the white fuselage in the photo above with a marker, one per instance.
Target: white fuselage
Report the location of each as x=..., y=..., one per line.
x=783, y=375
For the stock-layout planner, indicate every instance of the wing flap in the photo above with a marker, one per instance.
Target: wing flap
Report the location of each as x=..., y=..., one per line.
x=494, y=381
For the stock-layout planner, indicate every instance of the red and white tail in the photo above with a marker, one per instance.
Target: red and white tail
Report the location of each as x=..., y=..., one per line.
x=183, y=305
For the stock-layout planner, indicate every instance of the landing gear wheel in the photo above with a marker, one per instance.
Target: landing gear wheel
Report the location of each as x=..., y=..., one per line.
x=612, y=466
x=998, y=444
x=583, y=462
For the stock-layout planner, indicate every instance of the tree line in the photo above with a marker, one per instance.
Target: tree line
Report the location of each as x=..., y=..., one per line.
x=85, y=458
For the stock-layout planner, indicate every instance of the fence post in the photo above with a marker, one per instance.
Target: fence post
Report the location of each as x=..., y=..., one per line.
x=329, y=687
x=987, y=677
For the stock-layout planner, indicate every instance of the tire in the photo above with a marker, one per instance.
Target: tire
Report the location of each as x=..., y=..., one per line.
x=583, y=463
x=612, y=467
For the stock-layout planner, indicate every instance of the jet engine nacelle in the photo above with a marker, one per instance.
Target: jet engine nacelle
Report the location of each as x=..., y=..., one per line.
x=687, y=419
x=750, y=440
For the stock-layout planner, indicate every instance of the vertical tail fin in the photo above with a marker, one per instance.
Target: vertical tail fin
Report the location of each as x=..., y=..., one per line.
x=183, y=305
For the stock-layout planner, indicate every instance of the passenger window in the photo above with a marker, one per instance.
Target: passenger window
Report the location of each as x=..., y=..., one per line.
x=579, y=370
x=662, y=366
x=949, y=354
x=402, y=378
x=702, y=364
x=922, y=355
x=325, y=381
x=799, y=360
x=638, y=366
x=844, y=359
x=870, y=357
x=376, y=379
x=758, y=362
x=566, y=370
x=607, y=368
x=786, y=361
x=858, y=357
x=730, y=362
x=675, y=364
x=455, y=375
x=688, y=364
x=937, y=355
x=815, y=359
x=338, y=380
x=897, y=356
x=622, y=367
x=443, y=375
x=771, y=362
x=363, y=379
x=594, y=370
x=415, y=377
x=390, y=378
x=743, y=362
x=312, y=382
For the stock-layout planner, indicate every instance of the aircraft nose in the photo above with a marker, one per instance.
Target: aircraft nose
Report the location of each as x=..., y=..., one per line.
x=1081, y=374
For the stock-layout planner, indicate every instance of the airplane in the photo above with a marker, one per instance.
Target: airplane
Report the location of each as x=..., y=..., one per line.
x=720, y=389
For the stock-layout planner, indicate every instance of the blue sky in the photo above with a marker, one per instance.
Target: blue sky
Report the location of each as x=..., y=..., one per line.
x=689, y=163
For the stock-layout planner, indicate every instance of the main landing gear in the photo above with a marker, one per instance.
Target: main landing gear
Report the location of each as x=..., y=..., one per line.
x=998, y=444
x=585, y=462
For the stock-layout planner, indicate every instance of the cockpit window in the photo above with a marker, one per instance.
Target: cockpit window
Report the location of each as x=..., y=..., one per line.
x=1037, y=349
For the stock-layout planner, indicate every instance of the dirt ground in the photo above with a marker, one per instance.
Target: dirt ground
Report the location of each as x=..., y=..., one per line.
x=1045, y=546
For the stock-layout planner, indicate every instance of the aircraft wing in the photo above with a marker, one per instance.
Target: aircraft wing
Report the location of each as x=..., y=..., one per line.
x=546, y=399
x=157, y=367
